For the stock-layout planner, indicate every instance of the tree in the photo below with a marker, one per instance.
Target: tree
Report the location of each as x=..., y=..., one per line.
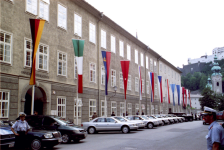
x=203, y=82
x=208, y=99
x=219, y=98
x=193, y=84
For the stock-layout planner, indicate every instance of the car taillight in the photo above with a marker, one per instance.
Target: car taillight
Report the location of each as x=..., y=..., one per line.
x=203, y=119
x=81, y=125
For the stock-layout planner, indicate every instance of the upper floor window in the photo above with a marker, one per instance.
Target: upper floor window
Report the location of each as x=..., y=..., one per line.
x=5, y=47
x=151, y=64
x=78, y=25
x=92, y=72
x=147, y=62
x=28, y=53
x=31, y=6
x=136, y=56
x=121, y=44
x=147, y=86
x=121, y=81
x=103, y=39
x=43, y=57
x=113, y=44
x=44, y=9
x=136, y=85
x=128, y=52
x=62, y=16
x=129, y=82
x=102, y=76
x=155, y=67
x=4, y=104
x=92, y=33
x=142, y=60
x=62, y=63
x=75, y=68
x=113, y=78
x=161, y=67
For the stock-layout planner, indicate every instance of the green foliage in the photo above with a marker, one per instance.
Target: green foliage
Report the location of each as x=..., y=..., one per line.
x=208, y=99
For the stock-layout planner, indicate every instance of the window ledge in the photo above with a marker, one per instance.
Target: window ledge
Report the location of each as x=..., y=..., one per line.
x=10, y=1
x=5, y=63
x=61, y=28
x=29, y=13
x=42, y=71
x=79, y=37
x=59, y=75
x=47, y=21
x=92, y=43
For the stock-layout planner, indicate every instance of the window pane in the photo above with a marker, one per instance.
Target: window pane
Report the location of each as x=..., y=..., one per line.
x=1, y=51
x=7, y=38
x=2, y=37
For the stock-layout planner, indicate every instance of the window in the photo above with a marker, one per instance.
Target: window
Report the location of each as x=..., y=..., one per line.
x=147, y=86
x=137, y=109
x=62, y=16
x=28, y=53
x=155, y=89
x=147, y=62
x=92, y=107
x=103, y=108
x=136, y=56
x=136, y=85
x=62, y=63
x=143, y=108
x=121, y=81
x=44, y=10
x=161, y=67
x=5, y=47
x=103, y=39
x=102, y=76
x=4, y=104
x=92, y=34
x=92, y=72
x=161, y=109
x=121, y=45
x=217, y=83
x=43, y=57
x=113, y=44
x=152, y=109
x=113, y=78
x=151, y=64
x=191, y=69
x=142, y=60
x=61, y=107
x=114, y=108
x=129, y=109
x=143, y=87
x=79, y=108
x=128, y=52
x=78, y=25
x=75, y=68
x=147, y=109
x=155, y=68
x=31, y=6
x=129, y=82
x=122, y=108
x=165, y=68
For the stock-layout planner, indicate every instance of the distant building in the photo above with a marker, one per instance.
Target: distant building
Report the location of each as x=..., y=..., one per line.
x=192, y=68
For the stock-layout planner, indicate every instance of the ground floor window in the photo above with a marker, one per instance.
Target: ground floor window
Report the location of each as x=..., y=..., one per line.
x=137, y=109
x=92, y=107
x=156, y=109
x=147, y=109
x=129, y=109
x=114, y=108
x=61, y=107
x=121, y=108
x=161, y=109
x=79, y=108
x=103, y=108
x=152, y=109
x=143, y=109
x=4, y=104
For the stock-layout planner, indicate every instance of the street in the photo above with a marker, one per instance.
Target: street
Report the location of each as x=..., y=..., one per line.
x=179, y=136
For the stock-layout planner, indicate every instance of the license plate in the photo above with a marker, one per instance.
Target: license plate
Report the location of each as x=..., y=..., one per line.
x=11, y=145
x=59, y=140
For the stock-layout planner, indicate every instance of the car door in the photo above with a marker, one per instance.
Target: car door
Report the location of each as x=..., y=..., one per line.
x=49, y=123
x=112, y=124
x=100, y=124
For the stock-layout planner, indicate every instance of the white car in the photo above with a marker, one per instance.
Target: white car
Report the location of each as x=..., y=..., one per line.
x=153, y=118
x=148, y=123
x=140, y=123
x=165, y=120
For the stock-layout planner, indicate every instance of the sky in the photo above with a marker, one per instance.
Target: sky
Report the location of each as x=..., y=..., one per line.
x=175, y=29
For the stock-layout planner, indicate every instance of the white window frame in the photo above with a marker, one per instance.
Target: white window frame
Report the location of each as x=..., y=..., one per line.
x=155, y=67
x=4, y=44
x=121, y=48
x=156, y=90
x=136, y=56
x=75, y=68
x=103, y=106
x=143, y=86
x=147, y=62
x=93, y=100
x=103, y=39
x=77, y=25
x=79, y=108
x=113, y=44
x=63, y=53
x=27, y=50
x=148, y=109
x=60, y=25
x=137, y=108
x=103, y=79
x=136, y=84
x=129, y=109
x=128, y=52
x=4, y=101
x=47, y=55
x=121, y=80
x=147, y=86
x=129, y=83
x=152, y=109
x=161, y=67
x=143, y=109
x=113, y=78
x=122, y=109
x=112, y=107
x=92, y=32
x=151, y=64
x=34, y=6
x=92, y=71
x=46, y=5
x=61, y=105
x=142, y=60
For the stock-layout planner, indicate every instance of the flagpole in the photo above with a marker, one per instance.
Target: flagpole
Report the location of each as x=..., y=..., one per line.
x=77, y=104
x=32, y=107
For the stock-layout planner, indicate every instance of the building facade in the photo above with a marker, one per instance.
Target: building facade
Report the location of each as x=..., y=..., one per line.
x=56, y=68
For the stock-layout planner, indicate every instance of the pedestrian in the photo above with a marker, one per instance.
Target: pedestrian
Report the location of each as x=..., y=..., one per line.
x=94, y=115
x=137, y=113
x=112, y=114
x=20, y=128
x=195, y=116
x=35, y=112
x=142, y=113
x=215, y=130
x=126, y=113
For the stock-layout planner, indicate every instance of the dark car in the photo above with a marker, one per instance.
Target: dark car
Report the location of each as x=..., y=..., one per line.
x=37, y=138
x=7, y=137
x=68, y=130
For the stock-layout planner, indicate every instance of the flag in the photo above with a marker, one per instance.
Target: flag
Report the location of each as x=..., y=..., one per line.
x=78, y=46
x=106, y=61
x=36, y=28
x=125, y=70
x=168, y=91
x=183, y=95
x=160, y=86
x=173, y=90
x=140, y=82
x=189, y=94
x=151, y=79
x=178, y=94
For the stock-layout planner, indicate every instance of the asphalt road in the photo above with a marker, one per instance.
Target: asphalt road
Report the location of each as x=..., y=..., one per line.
x=179, y=136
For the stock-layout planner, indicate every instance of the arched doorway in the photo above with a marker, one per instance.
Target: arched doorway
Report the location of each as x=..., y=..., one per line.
x=39, y=101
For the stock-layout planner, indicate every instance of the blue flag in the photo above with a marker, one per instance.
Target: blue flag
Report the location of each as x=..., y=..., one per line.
x=106, y=61
x=178, y=92
x=173, y=89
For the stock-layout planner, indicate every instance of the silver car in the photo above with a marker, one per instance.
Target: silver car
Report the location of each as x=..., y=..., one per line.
x=161, y=122
x=165, y=120
x=140, y=123
x=148, y=123
x=108, y=124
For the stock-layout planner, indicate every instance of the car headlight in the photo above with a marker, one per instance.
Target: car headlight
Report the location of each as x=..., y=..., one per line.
x=48, y=135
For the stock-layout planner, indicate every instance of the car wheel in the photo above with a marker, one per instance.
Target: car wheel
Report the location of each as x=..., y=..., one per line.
x=65, y=138
x=91, y=130
x=125, y=129
x=35, y=144
x=149, y=125
x=191, y=119
x=163, y=123
x=203, y=123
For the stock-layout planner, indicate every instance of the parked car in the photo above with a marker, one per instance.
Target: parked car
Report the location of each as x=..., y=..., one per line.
x=108, y=124
x=139, y=123
x=180, y=119
x=220, y=115
x=187, y=117
x=7, y=137
x=68, y=130
x=38, y=138
x=165, y=120
x=171, y=120
x=160, y=122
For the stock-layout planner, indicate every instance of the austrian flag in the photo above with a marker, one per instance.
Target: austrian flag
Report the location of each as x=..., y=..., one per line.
x=160, y=85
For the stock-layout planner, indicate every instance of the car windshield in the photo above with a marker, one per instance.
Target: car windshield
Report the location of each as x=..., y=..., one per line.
x=62, y=121
x=144, y=117
x=120, y=119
